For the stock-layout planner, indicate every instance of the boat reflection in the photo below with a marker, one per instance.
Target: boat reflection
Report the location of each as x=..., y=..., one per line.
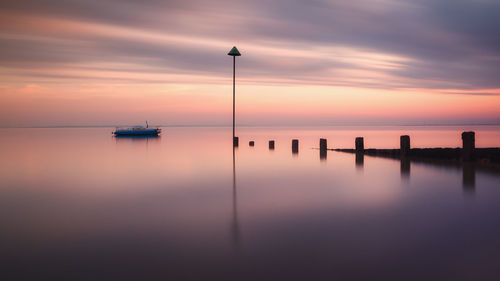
x=129, y=139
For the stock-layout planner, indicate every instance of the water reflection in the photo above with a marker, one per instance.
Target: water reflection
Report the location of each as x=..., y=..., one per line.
x=173, y=213
x=322, y=155
x=235, y=228
x=405, y=168
x=468, y=169
x=469, y=177
x=360, y=160
x=137, y=139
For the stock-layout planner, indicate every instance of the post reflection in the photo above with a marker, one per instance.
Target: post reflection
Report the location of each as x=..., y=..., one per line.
x=235, y=228
x=469, y=177
x=322, y=155
x=360, y=160
x=405, y=168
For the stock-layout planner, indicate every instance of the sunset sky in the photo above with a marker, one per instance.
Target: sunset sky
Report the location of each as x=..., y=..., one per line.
x=314, y=62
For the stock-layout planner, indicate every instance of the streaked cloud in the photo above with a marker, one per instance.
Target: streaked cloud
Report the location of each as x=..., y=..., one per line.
x=445, y=46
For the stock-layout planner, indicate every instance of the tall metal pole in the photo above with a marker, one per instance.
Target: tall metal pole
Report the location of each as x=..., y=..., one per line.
x=234, y=96
x=234, y=53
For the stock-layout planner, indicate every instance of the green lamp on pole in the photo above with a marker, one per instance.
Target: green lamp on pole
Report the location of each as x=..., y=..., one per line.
x=234, y=53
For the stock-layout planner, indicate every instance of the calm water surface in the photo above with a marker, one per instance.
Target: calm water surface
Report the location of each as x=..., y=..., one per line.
x=79, y=204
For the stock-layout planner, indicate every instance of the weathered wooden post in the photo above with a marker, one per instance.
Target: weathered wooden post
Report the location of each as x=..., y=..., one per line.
x=322, y=144
x=360, y=146
x=271, y=144
x=322, y=148
x=468, y=146
x=404, y=142
x=236, y=141
x=295, y=146
x=251, y=143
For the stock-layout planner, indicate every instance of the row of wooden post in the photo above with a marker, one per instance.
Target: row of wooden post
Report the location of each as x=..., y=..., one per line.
x=468, y=145
x=295, y=145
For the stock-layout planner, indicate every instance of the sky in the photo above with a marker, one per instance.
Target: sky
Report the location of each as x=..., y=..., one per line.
x=314, y=62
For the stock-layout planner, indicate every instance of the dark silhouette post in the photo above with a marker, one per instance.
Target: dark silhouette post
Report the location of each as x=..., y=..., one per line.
x=468, y=146
x=295, y=146
x=360, y=146
x=322, y=149
x=404, y=142
x=322, y=144
x=271, y=145
x=251, y=143
x=234, y=53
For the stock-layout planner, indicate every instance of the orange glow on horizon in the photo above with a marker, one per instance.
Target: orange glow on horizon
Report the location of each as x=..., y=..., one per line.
x=350, y=85
x=211, y=104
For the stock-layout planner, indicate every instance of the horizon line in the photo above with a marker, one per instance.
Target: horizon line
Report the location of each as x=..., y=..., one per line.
x=256, y=125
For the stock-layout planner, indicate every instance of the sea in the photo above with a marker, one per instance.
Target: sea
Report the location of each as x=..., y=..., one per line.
x=81, y=204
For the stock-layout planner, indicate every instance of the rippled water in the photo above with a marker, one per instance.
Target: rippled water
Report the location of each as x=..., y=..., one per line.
x=80, y=204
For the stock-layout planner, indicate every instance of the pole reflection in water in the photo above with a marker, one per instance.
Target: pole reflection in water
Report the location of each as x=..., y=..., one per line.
x=235, y=228
x=405, y=168
x=360, y=160
x=469, y=177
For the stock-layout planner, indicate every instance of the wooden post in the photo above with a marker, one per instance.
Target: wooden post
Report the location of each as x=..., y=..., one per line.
x=404, y=142
x=322, y=144
x=236, y=141
x=360, y=146
x=295, y=146
x=468, y=146
x=271, y=144
x=322, y=148
x=251, y=143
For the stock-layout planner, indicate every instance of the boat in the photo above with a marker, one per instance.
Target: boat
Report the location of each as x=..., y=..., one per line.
x=137, y=131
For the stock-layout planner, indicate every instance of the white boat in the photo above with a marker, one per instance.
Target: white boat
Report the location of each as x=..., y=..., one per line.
x=137, y=131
